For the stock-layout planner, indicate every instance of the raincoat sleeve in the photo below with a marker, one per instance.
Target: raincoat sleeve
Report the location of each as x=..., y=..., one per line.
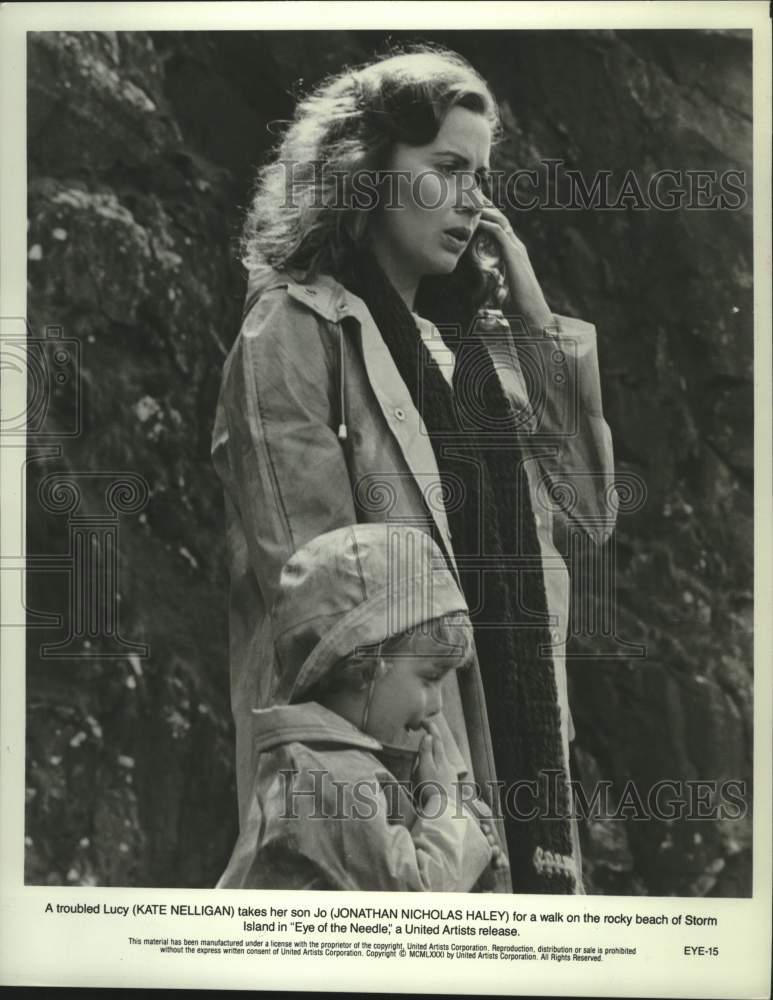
x=554, y=377
x=276, y=447
x=344, y=840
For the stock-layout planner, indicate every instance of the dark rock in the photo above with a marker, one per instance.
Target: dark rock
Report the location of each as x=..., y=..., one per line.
x=141, y=154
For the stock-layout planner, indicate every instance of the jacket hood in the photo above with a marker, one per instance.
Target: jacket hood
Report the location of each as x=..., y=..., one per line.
x=355, y=586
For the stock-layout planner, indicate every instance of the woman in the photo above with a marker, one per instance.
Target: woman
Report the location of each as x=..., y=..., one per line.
x=341, y=401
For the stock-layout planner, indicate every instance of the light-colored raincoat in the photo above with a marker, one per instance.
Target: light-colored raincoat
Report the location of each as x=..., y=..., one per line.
x=308, y=359
x=330, y=806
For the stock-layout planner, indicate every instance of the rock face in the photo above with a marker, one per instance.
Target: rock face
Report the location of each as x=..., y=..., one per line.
x=141, y=153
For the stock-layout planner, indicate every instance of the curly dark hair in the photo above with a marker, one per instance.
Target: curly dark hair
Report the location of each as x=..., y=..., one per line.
x=305, y=216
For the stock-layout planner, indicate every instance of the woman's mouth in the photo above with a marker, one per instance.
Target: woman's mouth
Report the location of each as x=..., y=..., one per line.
x=456, y=238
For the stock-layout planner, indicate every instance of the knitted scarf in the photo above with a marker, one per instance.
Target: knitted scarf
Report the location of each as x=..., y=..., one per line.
x=490, y=515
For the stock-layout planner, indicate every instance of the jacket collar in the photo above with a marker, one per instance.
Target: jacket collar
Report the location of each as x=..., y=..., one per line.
x=307, y=722
x=321, y=294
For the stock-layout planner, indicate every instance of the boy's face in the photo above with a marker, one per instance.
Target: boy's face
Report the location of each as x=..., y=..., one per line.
x=410, y=691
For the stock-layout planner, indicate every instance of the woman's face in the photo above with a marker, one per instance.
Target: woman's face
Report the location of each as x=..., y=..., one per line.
x=433, y=204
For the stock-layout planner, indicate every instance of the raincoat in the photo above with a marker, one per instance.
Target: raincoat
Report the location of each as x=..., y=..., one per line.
x=331, y=807
x=315, y=429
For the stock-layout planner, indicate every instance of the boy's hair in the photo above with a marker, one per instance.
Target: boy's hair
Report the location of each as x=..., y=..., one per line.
x=358, y=668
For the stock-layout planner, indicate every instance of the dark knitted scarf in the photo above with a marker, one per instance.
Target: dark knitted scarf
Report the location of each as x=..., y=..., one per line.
x=474, y=434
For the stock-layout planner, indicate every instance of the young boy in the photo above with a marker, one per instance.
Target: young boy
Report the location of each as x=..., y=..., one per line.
x=367, y=624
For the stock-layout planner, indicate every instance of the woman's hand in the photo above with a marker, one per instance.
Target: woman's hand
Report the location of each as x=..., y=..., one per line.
x=522, y=283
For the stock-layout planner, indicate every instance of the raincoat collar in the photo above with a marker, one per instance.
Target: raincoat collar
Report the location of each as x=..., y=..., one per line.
x=307, y=722
x=322, y=294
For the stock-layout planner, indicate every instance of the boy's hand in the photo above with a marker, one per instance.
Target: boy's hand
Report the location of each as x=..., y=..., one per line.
x=498, y=859
x=433, y=766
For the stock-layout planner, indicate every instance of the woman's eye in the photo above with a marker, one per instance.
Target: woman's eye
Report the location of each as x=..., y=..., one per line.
x=472, y=181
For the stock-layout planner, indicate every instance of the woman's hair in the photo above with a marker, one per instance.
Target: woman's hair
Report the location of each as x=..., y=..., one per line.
x=451, y=632
x=307, y=214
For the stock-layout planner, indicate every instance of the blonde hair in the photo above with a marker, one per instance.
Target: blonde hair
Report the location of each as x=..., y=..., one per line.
x=452, y=632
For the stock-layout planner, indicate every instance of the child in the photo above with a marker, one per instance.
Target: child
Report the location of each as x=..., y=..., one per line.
x=367, y=624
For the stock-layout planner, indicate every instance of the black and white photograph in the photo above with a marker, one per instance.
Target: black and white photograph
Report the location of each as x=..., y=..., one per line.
x=382, y=412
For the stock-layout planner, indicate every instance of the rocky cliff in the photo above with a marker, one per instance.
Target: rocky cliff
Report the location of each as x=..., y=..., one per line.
x=141, y=154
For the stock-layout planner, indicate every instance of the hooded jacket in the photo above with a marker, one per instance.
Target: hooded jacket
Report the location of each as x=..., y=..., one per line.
x=331, y=807
x=315, y=429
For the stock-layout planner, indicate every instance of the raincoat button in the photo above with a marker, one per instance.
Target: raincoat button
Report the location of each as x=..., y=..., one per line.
x=554, y=634
x=399, y=414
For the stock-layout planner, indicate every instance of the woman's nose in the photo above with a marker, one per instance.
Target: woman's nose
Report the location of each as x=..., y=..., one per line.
x=469, y=197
